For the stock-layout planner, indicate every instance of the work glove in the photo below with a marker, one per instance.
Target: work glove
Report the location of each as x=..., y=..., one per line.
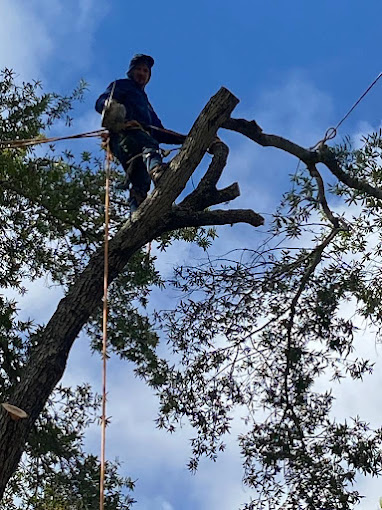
x=113, y=116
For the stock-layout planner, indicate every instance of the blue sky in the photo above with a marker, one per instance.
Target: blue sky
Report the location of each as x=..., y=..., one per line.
x=296, y=67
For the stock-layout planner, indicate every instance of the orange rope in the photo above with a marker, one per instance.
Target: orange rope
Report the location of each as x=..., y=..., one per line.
x=15, y=144
x=28, y=142
x=104, y=327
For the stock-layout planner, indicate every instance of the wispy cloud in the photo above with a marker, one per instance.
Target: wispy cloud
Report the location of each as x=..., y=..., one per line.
x=25, y=43
x=40, y=35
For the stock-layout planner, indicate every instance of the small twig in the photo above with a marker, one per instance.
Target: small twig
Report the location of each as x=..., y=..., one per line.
x=321, y=195
x=316, y=258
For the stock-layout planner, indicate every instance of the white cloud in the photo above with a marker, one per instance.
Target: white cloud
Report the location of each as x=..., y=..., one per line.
x=40, y=300
x=166, y=506
x=296, y=110
x=39, y=35
x=24, y=39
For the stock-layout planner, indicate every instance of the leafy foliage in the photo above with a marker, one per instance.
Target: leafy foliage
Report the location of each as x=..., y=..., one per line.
x=56, y=473
x=263, y=334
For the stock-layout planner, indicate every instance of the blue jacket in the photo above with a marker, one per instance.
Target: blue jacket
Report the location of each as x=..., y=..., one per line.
x=137, y=105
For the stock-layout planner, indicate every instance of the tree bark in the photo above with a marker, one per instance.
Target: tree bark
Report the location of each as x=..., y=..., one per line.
x=322, y=154
x=155, y=216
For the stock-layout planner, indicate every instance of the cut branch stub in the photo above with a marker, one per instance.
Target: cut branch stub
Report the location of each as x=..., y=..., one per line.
x=184, y=218
x=14, y=412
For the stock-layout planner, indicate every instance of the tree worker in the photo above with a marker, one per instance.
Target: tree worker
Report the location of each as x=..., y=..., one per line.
x=130, y=119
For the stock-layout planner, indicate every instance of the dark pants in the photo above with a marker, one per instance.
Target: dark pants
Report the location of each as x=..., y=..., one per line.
x=126, y=145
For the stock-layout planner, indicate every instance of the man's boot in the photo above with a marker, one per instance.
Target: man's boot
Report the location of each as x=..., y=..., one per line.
x=135, y=199
x=153, y=160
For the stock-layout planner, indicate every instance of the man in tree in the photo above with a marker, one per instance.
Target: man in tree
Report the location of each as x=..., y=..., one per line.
x=131, y=120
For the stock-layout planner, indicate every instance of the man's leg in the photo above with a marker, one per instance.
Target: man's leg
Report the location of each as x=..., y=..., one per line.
x=124, y=147
x=152, y=158
x=140, y=183
x=133, y=143
x=139, y=177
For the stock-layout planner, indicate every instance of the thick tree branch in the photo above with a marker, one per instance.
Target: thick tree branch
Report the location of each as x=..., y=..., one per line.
x=205, y=193
x=253, y=131
x=219, y=151
x=329, y=159
x=197, y=142
x=183, y=218
x=310, y=157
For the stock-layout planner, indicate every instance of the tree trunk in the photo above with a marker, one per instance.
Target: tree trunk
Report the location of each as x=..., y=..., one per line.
x=47, y=361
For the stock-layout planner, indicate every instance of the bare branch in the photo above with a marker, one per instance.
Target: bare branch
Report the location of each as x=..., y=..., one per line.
x=182, y=218
x=253, y=131
x=325, y=155
x=209, y=197
x=220, y=196
x=206, y=193
x=220, y=152
x=328, y=157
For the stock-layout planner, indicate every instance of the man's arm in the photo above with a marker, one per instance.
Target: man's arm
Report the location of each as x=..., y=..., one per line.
x=167, y=136
x=100, y=103
x=118, y=95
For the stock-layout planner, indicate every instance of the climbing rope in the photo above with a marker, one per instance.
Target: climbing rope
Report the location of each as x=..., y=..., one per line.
x=98, y=133
x=332, y=131
x=28, y=142
x=108, y=159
